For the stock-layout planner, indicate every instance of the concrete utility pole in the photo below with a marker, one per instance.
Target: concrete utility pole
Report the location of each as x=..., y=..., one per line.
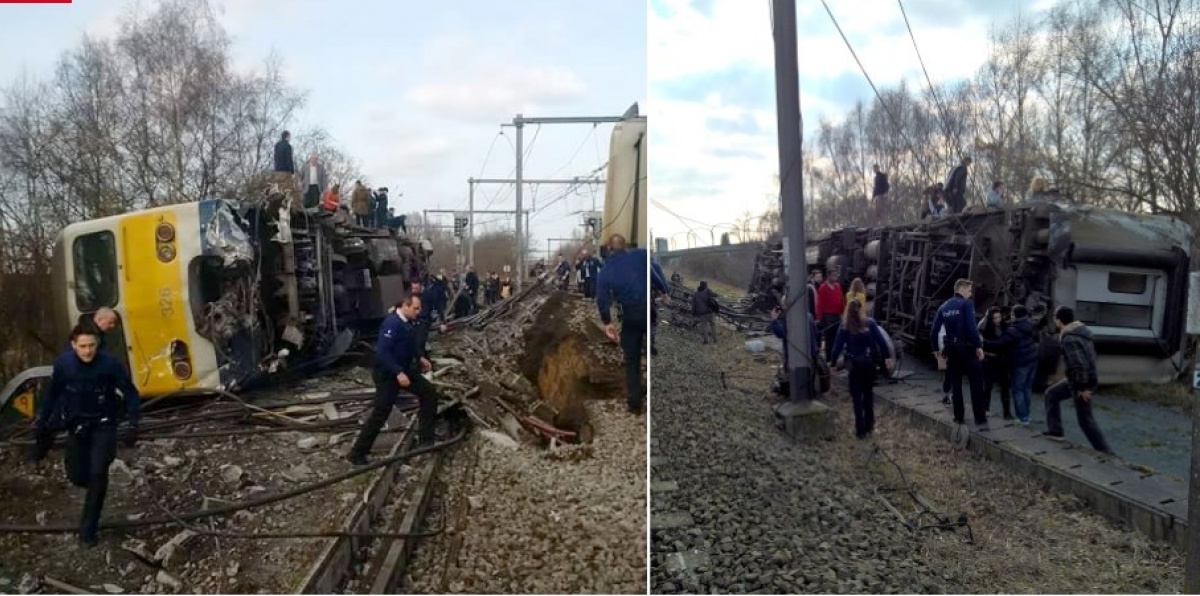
x=1191, y=581
x=520, y=121
x=471, y=182
x=800, y=416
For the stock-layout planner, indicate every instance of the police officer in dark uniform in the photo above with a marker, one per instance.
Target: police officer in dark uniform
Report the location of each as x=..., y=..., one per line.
x=398, y=365
x=963, y=350
x=624, y=274
x=82, y=400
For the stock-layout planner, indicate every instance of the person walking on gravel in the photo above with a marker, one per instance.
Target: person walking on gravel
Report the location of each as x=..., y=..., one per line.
x=624, y=275
x=864, y=342
x=398, y=366
x=963, y=350
x=1079, y=384
x=704, y=307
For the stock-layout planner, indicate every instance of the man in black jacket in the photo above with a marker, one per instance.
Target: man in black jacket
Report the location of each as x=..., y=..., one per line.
x=284, y=162
x=879, y=196
x=1080, y=382
x=704, y=307
x=956, y=186
x=82, y=400
x=398, y=365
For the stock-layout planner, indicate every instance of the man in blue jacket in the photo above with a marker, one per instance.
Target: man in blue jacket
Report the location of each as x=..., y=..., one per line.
x=589, y=268
x=398, y=365
x=82, y=400
x=624, y=274
x=963, y=350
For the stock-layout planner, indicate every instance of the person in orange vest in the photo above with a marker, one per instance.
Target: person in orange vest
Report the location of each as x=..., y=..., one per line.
x=332, y=198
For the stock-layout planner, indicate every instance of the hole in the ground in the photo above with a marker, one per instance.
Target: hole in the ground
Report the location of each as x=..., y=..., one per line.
x=559, y=364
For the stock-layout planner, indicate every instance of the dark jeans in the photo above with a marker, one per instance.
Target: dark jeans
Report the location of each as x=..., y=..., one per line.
x=956, y=203
x=862, y=381
x=962, y=361
x=1022, y=389
x=90, y=450
x=1061, y=391
x=997, y=374
x=633, y=341
x=312, y=196
x=589, y=287
x=387, y=391
x=829, y=328
x=654, y=326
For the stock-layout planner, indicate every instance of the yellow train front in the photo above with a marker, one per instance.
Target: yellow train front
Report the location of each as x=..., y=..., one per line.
x=221, y=295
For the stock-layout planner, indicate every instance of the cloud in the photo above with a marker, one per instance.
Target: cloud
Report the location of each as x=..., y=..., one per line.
x=489, y=80
x=738, y=153
x=743, y=124
x=743, y=84
x=499, y=93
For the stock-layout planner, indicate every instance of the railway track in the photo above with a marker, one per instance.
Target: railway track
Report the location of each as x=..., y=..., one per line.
x=397, y=501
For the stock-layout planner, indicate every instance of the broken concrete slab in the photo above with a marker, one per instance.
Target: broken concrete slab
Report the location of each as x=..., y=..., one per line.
x=671, y=520
x=499, y=439
x=663, y=486
x=685, y=561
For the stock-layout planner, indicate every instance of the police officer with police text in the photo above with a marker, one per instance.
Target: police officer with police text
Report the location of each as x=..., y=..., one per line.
x=963, y=350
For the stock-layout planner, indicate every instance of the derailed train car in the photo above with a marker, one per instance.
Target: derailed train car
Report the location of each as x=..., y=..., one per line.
x=220, y=295
x=1125, y=275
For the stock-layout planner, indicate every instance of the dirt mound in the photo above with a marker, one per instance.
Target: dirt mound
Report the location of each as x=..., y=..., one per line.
x=560, y=362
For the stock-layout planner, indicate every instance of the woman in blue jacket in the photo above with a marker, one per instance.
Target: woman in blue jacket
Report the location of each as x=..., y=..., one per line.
x=861, y=338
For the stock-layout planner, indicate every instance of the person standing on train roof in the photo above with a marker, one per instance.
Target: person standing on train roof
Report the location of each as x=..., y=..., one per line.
x=956, y=186
x=624, y=275
x=963, y=350
x=82, y=400
x=831, y=303
x=284, y=160
x=879, y=195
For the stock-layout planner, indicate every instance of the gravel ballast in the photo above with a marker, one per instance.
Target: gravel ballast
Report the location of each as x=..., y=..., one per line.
x=771, y=515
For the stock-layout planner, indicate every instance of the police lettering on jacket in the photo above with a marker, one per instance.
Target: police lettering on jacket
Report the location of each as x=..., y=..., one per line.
x=958, y=316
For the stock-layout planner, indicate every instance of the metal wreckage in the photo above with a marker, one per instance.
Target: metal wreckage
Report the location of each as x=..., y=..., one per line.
x=219, y=297
x=1125, y=274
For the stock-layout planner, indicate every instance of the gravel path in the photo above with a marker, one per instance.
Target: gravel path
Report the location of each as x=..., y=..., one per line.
x=567, y=521
x=769, y=515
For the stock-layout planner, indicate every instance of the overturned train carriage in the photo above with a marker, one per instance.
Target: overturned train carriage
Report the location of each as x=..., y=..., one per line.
x=221, y=294
x=1124, y=274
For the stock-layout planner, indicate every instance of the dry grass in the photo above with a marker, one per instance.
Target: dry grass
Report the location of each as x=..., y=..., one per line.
x=1028, y=539
x=1176, y=394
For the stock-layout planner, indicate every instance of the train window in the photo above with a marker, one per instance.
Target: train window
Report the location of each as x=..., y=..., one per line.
x=95, y=257
x=1127, y=283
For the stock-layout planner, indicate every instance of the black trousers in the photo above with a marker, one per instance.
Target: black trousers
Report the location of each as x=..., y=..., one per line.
x=589, y=287
x=387, y=392
x=998, y=374
x=633, y=341
x=862, y=394
x=1060, y=392
x=91, y=448
x=829, y=328
x=312, y=196
x=961, y=361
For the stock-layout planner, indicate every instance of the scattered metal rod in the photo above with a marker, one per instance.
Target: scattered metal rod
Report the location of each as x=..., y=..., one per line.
x=249, y=504
x=63, y=586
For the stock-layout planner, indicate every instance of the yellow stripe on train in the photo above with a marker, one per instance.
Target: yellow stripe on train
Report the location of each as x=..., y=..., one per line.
x=154, y=296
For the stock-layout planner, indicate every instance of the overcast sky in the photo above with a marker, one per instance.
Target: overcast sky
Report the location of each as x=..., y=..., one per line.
x=417, y=95
x=712, y=88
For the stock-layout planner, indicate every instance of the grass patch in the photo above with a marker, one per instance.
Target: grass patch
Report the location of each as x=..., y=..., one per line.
x=1177, y=395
